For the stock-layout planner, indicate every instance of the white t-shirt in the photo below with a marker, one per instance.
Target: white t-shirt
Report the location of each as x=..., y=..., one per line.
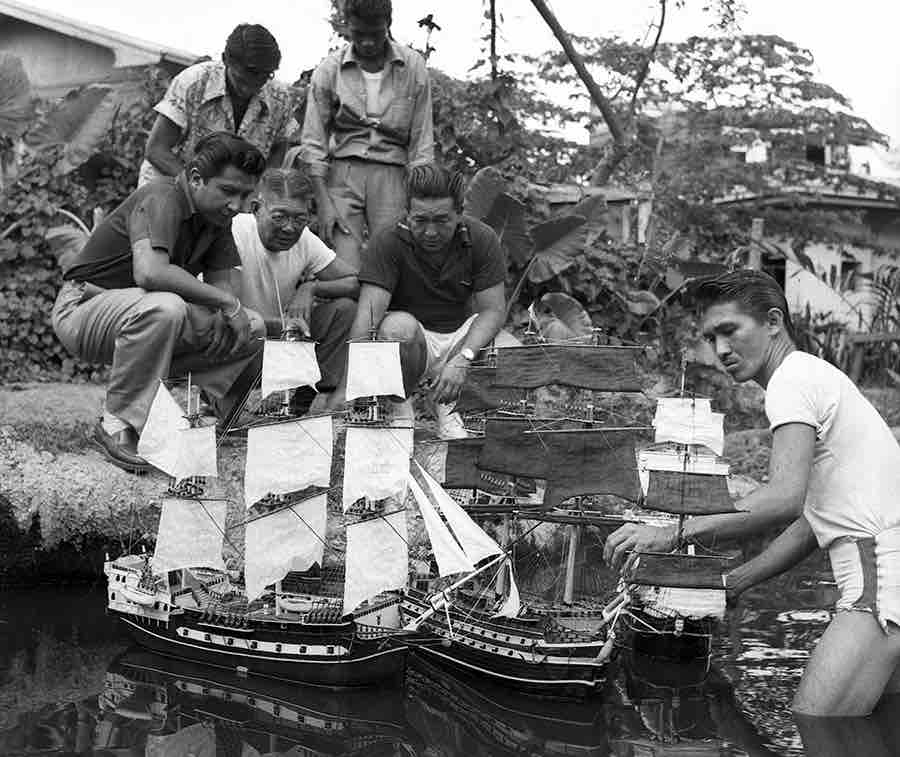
x=375, y=104
x=260, y=268
x=854, y=486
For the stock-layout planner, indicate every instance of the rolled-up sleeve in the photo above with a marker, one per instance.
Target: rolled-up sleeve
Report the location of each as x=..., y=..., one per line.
x=174, y=103
x=317, y=122
x=421, y=136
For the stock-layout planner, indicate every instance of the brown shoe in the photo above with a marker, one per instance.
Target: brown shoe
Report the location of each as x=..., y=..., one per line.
x=120, y=448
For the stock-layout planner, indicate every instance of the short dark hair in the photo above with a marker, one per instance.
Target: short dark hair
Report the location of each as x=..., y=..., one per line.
x=215, y=151
x=433, y=181
x=253, y=46
x=754, y=292
x=284, y=183
x=371, y=11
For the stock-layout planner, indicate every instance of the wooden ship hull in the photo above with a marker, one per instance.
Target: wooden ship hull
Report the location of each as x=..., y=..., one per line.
x=528, y=654
x=317, y=647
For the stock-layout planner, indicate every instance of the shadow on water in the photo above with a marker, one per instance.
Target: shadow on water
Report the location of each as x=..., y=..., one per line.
x=69, y=686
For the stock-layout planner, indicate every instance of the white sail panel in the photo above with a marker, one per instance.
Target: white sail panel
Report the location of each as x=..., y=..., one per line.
x=376, y=463
x=190, y=534
x=512, y=604
x=287, y=457
x=158, y=443
x=377, y=558
x=197, y=453
x=686, y=420
x=675, y=601
x=287, y=365
x=680, y=462
x=474, y=541
x=449, y=556
x=373, y=369
x=286, y=540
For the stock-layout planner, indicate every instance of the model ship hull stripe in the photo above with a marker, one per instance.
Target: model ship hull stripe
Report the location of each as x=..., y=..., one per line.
x=506, y=677
x=250, y=653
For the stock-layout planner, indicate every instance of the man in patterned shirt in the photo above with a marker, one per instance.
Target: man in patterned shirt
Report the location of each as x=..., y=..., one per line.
x=237, y=95
x=368, y=118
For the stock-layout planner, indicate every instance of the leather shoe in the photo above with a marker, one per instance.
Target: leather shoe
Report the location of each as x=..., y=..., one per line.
x=120, y=448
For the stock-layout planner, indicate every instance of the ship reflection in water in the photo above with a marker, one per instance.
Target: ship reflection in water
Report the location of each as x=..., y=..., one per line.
x=145, y=705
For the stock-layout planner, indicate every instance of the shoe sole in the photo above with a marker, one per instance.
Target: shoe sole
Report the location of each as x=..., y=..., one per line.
x=137, y=470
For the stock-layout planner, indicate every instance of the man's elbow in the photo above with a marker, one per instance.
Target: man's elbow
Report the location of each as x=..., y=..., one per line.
x=147, y=277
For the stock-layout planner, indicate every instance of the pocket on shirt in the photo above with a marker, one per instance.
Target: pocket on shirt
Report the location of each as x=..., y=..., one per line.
x=398, y=118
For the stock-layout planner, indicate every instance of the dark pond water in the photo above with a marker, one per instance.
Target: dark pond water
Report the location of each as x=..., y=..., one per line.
x=70, y=684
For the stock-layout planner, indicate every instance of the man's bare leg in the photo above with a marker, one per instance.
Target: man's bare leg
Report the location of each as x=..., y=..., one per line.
x=850, y=667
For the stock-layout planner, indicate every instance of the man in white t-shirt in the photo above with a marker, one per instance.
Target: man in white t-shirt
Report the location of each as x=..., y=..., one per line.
x=834, y=481
x=290, y=277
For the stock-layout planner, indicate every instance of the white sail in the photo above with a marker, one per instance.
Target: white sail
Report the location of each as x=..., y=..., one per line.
x=376, y=463
x=686, y=420
x=190, y=535
x=286, y=540
x=512, y=604
x=448, y=554
x=373, y=369
x=287, y=457
x=377, y=558
x=287, y=365
x=474, y=541
x=679, y=462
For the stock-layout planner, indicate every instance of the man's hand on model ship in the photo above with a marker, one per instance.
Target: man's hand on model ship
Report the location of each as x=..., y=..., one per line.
x=446, y=388
x=634, y=537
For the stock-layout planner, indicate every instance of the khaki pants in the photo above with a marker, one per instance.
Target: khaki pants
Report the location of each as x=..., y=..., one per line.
x=145, y=337
x=367, y=195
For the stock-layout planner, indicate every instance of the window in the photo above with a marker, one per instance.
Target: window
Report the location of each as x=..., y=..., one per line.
x=816, y=154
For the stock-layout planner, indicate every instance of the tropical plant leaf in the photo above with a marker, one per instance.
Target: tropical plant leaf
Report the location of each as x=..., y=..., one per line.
x=507, y=218
x=65, y=242
x=556, y=242
x=483, y=190
x=16, y=103
x=566, y=317
x=641, y=301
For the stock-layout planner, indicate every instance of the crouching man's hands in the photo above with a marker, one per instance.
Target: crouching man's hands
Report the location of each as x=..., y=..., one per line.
x=633, y=537
x=449, y=382
x=239, y=323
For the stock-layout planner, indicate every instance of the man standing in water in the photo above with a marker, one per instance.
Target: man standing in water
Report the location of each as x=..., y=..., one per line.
x=368, y=118
x=834, y=480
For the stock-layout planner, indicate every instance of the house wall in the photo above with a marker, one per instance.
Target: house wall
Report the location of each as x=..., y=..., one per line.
x=52, y=59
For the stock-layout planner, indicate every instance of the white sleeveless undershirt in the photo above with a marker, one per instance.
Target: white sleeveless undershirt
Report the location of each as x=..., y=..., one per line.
x=374, y=105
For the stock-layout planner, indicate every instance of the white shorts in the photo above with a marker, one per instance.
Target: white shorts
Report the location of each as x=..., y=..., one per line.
x=440, y=346
x=867, y=572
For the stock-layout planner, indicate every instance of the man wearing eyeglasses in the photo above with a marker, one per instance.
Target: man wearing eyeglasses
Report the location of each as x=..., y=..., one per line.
x=368, y=118
x=291, y=278
x=237, y=94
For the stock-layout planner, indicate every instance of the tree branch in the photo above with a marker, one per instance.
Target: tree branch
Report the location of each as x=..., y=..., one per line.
x=648, y=58
x=609, y=115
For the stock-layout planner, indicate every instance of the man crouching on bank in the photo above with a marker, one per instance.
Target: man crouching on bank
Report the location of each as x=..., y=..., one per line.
x=834, y=477
x=132, y=299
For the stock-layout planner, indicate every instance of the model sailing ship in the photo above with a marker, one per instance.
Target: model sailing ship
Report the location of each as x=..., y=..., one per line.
x=293, y=614
x=561, y=645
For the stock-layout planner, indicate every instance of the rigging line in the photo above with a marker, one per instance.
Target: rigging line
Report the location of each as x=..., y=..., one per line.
x=219, y=528
x=260, y=516
x=487, y=586
x=391, y=525
x=314, y=532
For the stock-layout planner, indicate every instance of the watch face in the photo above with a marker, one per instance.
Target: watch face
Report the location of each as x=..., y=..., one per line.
x=467, y=353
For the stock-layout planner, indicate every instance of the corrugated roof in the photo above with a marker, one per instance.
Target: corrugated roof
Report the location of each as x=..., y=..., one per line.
x=129, y=51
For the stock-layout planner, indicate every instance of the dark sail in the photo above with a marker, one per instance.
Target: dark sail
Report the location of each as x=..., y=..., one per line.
x=508, y=448
x=677, y=570
x=602, y=369
x=461, y=471
x=479, y=393
x=688, y=493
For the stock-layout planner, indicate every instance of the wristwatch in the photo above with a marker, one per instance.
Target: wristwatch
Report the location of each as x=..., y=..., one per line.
x=468, y=353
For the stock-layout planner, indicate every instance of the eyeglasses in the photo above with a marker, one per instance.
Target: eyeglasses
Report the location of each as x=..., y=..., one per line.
x=283, y=220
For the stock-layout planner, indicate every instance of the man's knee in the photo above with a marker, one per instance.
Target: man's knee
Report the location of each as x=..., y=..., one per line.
x=401, y=326
x=165, y=308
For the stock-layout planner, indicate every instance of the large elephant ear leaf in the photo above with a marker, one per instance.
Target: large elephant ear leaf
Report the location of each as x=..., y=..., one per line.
x=16, y=103
x=483, y=190
x=507, y=218
x=567, y=317
x=556, y=242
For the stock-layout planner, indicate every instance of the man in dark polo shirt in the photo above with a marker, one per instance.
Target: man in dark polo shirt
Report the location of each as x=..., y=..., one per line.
x=132, y=299
x=436, y=283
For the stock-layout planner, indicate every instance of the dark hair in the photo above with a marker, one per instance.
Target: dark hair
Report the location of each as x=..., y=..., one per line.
x=371, y=11
x=253, y=46
x=430, y=181
x=754, y=292
x=284, y=183
x=215, y=151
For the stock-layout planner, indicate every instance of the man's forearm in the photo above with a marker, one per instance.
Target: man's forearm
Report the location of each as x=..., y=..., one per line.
x=164, y=161
x=483, y=329
x=795, y=543
x=171, y=278
x=320, y=184
x=346, y=286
